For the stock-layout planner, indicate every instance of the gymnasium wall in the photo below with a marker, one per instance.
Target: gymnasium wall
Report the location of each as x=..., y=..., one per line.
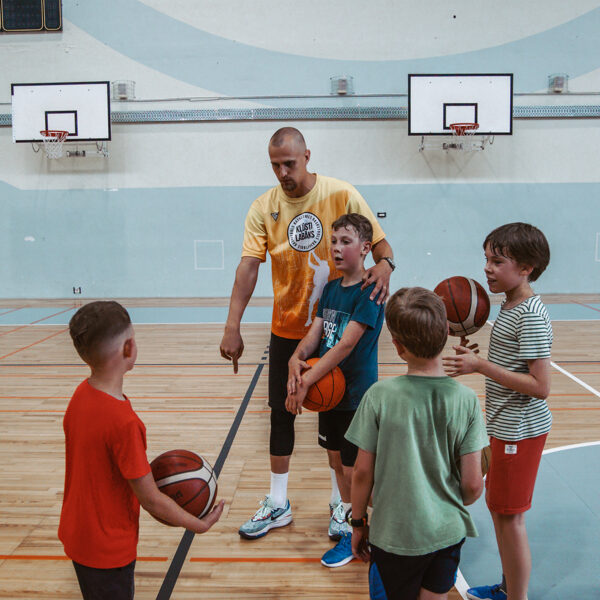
x=163, y=215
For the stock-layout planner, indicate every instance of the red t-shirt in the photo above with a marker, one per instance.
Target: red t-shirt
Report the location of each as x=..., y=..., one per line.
x=105, y=446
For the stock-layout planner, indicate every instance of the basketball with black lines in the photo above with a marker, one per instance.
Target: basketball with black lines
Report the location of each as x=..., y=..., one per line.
x=326, y=393
x=187, y=478
x=467, y=304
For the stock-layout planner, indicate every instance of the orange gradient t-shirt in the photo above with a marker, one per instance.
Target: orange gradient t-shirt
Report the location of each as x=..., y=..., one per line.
x=296, y=232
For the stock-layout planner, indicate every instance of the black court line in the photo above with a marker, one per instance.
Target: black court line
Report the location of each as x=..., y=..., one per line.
x=166, y=589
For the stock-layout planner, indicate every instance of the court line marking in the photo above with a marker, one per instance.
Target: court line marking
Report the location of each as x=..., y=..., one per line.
x=576, y=380
x=586, y=305
x=22, y=326
x=166, y=589
x=11, y=310
x=34, y=343
x=461, y=584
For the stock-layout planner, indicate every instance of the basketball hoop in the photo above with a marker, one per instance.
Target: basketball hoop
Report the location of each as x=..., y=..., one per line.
x=53, y=142
x=464, y=128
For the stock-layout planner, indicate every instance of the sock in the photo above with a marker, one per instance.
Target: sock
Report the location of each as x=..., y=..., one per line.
x=335, y=492
x=278, y=492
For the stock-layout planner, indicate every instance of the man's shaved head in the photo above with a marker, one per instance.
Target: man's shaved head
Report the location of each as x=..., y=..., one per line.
x=288, y=133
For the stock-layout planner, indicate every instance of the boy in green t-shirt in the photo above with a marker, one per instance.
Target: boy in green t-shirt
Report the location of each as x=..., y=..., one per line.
x=420, y=439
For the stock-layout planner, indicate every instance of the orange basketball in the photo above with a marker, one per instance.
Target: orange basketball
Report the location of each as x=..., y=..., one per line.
x=186, y=478
x=467, y=304
x=327, y=392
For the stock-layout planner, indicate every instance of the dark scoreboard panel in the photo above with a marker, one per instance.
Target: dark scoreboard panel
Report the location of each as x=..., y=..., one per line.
x=30, y=15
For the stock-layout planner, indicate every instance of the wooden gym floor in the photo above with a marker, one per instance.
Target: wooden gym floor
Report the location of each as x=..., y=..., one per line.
x=188, y=397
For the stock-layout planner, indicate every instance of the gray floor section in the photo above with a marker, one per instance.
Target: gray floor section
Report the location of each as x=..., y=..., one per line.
x=563, y=527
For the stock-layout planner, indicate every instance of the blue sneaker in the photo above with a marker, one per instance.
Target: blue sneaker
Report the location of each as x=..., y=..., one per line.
x=266, y=517
x=341, y=554
x=486, y=592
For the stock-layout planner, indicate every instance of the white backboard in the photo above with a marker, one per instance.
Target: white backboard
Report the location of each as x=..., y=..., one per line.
x=436, y=101
x=82, y=109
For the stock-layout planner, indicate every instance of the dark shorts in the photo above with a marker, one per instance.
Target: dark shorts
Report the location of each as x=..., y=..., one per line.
x=512, y=474
x=395, y=577
x=281, y=439
x=106, y=584
x=333, y=425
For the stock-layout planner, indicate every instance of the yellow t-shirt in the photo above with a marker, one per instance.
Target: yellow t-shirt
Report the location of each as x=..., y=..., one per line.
x=297, y=234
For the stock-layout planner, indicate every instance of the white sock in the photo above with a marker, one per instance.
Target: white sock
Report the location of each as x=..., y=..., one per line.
x=335, y=492
x=278, y=492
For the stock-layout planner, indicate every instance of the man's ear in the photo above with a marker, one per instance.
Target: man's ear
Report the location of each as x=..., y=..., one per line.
x=307, y=155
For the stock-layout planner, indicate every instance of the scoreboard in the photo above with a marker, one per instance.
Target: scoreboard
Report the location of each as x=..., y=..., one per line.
x=30, y=15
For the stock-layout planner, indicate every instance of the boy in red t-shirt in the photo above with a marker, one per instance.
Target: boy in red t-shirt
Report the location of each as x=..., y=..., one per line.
x=107, y=473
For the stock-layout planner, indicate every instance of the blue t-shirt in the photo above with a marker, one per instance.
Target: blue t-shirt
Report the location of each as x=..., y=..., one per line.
x=337, y=307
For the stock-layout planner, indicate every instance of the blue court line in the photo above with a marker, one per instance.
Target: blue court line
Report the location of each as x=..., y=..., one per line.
x=179, y=315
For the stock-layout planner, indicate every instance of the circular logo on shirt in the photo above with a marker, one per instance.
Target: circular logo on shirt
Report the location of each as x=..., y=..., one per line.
x=305, y=232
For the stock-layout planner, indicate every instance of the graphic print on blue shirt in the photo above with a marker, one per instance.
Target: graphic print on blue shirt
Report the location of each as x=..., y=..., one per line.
x=334, y=325
x=337, y=307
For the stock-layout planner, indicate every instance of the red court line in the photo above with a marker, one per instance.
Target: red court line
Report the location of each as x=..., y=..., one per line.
x=586, y=305
x=11, y=310
x=255, y=559
x=62, y=557
x=34, y=343
x=145, y=375
x=38, y=321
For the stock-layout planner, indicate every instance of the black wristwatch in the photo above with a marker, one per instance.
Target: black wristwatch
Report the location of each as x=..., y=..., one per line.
x=389, y=261
x=356, y=522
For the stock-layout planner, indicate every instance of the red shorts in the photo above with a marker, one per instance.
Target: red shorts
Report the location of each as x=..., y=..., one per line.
x=513, y=470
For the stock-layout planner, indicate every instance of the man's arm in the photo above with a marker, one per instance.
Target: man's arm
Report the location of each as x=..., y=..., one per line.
x=232, y=345
x=166, y=509
x=363, y=476
x=380, y=273
x=471, y=479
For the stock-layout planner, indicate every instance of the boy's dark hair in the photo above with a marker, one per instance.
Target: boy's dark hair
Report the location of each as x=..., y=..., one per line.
x=416, y=317
x=94, y=324
x=360, y=224
x=526, y=244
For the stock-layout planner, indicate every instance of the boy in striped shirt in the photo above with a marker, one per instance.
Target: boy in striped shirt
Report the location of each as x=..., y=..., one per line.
x=517, y=384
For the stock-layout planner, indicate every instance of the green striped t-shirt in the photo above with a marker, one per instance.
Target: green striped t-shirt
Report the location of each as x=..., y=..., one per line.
x=519, y=334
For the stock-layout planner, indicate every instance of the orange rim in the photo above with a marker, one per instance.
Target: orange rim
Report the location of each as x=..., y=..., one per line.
x=461, y=128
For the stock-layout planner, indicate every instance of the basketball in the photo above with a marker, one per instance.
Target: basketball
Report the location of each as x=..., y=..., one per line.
x=486, y=459
x=467, y=304
x=186, y=478
x=327, y=392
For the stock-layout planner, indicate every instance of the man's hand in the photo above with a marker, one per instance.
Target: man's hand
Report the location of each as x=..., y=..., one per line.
x=380, y=275
x=232, y=346
x=360, y=543
x=296, y=366
x=466, y=361
x=464, y=341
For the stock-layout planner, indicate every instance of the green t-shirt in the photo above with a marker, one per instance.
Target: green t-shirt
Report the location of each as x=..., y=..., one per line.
x=418, y=427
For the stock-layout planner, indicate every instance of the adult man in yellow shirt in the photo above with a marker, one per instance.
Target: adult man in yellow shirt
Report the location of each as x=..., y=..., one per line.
x=292, y=221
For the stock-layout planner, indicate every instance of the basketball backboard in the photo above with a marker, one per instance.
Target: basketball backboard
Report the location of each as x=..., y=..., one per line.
x=82, y=109
x=437, y=101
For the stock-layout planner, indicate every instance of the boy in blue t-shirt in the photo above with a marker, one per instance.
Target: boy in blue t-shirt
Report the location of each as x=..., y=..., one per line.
x=345, y=330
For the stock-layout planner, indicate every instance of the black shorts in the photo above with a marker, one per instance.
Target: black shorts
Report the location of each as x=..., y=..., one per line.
x=280, y=352
x=396, y=577
x=333, y=425
x=281, y=439
x=102, y=584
